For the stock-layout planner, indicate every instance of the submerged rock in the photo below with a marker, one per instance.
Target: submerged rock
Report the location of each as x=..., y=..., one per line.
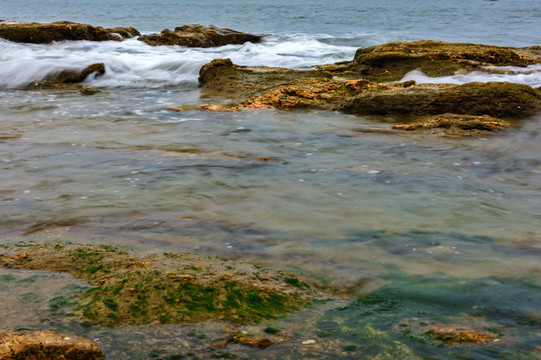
x=46, y=345
x=461, y=335
x=200, y=36
x=89, y=90
x=45, y=33
x=453, y=124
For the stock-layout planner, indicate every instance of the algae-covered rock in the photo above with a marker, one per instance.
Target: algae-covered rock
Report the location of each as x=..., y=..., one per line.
x=46, y=345
x=164, y=288
x=498, y=99
x=461, y=335
x=453, y=124
x=434, y=58
x=89, y=90
x=199, y=36
x=44, y=33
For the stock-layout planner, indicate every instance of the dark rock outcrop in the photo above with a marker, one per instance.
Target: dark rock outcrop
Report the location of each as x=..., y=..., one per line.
x=497, y=99
x=45, y=33
x=199, y=36
x=46, y=345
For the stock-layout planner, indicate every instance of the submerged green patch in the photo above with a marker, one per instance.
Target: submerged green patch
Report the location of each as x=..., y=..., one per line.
x=160, y=289
x=407, y=317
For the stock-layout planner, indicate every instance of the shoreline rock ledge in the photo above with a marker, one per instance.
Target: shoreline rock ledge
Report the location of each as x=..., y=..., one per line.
x=371, y=84
x=45, y=33
x=46, y=345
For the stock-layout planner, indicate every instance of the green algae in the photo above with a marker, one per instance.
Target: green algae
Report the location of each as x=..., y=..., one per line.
x=402, y=318
x=163, y=289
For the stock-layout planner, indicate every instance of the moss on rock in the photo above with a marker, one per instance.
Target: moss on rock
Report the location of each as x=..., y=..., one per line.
x=164, y=288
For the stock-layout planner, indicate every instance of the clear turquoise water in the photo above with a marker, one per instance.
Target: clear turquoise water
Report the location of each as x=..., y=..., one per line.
x=434, y=230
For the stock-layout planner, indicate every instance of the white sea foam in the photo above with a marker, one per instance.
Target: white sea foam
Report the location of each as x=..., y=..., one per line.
x=530, y=75
x=135, y=64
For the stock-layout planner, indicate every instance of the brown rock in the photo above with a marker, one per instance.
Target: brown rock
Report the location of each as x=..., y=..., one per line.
x=461, y=335
x=263, y=87
x=434, y=58
x=495, y=99
x=75, y=76
x=46, y=345
x=45, y=33
x=453, y=124
x=124, y=32
x=261, y=343
x=199, y=36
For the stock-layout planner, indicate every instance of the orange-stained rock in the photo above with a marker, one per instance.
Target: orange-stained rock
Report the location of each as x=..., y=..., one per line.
x=461, y=335
x=46, y=345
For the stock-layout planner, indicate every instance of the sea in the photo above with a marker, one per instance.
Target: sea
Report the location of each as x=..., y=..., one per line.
x=433, y=231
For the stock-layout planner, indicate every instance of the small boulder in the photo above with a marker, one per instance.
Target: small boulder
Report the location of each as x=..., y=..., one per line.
x=71, y=76
x=46, y=345
x=200, y=36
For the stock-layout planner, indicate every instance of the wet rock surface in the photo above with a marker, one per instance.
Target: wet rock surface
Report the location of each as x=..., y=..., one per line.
x=316, y=89
x=362, y=86
x=46, y=345
x=200, y=36
x=45, y=33
x=436, y=58
x=71, y=77
x=497, y=99
x=453, y=124
x=461, y=335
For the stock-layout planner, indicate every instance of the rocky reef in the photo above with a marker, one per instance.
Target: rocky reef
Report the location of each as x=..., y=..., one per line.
x=187, y=35
x=368, y=85
x=199, y=36
x=46, y=345
x=316, y=89
x=45, y=33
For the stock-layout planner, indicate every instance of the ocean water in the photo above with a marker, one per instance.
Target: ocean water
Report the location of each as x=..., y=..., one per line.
x=436, y=230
